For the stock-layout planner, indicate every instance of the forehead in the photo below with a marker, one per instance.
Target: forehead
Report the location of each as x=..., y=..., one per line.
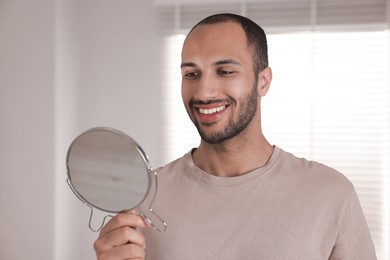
x=213, y=41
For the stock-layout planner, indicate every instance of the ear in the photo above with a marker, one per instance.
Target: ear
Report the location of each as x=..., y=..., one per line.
x=264, y=82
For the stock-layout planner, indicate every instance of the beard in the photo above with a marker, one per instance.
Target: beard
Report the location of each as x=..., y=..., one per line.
x=235, y=126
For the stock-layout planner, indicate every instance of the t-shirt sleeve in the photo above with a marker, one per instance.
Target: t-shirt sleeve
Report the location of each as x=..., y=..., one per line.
x=353, y=240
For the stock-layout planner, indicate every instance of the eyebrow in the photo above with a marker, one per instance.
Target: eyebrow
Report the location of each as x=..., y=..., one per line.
x=227, y=61
x=220, y=62
x=187, y=64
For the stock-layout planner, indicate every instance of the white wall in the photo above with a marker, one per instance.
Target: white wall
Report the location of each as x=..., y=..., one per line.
x=66, y=66
x=26, y=130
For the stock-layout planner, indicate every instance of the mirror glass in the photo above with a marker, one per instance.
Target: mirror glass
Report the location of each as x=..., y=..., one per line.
x=109, y=171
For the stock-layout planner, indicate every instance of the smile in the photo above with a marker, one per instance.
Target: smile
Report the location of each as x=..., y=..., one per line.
x=211, y=110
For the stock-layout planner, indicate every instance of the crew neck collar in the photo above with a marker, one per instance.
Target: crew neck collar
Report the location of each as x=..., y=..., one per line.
x=213, y=180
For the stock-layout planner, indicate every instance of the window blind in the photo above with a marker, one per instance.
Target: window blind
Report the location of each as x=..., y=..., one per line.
x=279, y=14
x=330, y=96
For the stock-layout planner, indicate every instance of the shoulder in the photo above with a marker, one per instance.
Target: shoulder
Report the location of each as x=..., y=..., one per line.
x=315, y=174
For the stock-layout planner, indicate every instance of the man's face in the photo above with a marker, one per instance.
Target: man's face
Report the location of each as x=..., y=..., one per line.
x=219, y=89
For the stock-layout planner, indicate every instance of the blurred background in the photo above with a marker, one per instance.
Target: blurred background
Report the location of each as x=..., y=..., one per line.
x=70, y=65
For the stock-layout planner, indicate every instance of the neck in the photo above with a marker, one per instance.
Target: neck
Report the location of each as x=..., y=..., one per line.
x=234, y=157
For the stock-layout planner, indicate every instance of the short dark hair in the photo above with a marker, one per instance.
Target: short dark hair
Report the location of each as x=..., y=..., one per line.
x=255, y=36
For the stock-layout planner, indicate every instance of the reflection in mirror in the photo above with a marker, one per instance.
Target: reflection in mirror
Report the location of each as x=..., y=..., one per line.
x=109, y=171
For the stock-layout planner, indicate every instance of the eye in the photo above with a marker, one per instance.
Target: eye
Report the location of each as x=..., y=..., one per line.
x=224, y=72
x=191, y=75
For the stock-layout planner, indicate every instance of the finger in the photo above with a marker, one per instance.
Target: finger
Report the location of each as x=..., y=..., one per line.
x=124, y=219
x=128, y=251
x=118, y=237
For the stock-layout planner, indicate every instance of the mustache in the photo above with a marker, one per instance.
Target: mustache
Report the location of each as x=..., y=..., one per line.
x=208, y=102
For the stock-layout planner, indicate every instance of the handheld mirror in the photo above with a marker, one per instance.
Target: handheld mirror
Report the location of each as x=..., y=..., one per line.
x=107, y=170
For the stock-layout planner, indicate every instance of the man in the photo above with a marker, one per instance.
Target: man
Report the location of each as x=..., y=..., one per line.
x=236, y=196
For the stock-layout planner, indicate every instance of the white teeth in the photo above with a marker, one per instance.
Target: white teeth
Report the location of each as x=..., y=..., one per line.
x=211, y=110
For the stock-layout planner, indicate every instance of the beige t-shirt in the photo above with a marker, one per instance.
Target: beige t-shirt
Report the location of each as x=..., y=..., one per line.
x=289, y=209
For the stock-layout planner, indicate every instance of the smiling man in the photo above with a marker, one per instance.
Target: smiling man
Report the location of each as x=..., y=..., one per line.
x=221, y=88
x=236, y=196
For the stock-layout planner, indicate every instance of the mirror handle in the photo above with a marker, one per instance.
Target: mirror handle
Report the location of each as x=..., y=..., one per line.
x=90, y=221
x=164, y=225
x=161, y=230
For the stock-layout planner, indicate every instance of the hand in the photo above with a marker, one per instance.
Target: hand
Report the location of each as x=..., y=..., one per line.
x=121, y=239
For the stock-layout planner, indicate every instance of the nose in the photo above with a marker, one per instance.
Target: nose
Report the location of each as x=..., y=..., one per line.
x=207, y=88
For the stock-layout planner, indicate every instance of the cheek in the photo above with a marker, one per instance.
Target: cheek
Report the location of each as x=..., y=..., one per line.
x=238, y=88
